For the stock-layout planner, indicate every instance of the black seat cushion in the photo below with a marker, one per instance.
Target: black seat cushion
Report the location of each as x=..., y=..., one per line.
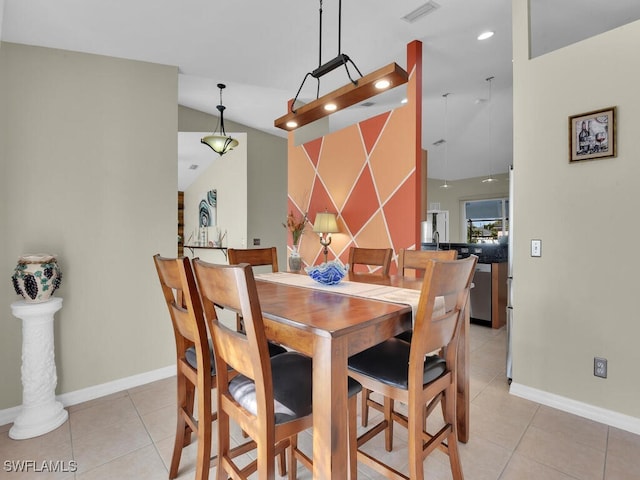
x=292, y=376
x=190, y=355
x=388, y=363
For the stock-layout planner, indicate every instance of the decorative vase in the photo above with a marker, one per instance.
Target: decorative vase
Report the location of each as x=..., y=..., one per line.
x=36, y=277
x=295, y=261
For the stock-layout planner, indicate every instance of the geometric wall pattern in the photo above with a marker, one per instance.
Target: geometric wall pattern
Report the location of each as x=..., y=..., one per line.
x=368, y=173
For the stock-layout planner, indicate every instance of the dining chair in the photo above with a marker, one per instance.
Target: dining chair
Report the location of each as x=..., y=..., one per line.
x=414, y=260
x=412, y=374
x=371, y=257
x=256, y=257
x=271, y=398
x=195, y=367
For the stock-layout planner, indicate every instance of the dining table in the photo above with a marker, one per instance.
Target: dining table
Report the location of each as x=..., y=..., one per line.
x=331, y=323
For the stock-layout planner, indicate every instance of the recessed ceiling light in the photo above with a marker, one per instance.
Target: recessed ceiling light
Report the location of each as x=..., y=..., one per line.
x=330, y=107
x=485, y=35
x=404, y=100
x=382, y=84
x=292, y=124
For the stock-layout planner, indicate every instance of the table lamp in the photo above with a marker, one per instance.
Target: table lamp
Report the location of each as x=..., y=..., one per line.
x=324, y=226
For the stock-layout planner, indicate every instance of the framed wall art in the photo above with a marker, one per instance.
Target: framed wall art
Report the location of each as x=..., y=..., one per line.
x=592, y=135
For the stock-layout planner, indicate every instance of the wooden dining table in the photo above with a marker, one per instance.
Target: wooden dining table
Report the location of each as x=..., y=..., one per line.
x=330, y=327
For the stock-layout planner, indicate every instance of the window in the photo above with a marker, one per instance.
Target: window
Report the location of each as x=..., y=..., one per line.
x=486, y=221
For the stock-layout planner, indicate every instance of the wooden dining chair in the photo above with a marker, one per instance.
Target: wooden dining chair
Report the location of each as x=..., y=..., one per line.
x=195, y=368
x=271, y=398
x=256, y=257
x=414, y=260
x=371, y=257
x=413, y=375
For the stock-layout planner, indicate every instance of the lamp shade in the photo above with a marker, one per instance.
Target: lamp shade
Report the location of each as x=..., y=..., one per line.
x=325, y=223
x=219, y=143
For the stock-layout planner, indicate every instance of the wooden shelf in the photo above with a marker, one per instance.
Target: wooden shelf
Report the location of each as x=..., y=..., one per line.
x=196, y=247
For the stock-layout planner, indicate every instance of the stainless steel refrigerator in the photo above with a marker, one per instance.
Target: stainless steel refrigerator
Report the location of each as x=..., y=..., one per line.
x=510, y=280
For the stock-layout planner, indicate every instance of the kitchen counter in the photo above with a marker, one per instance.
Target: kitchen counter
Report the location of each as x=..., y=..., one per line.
x=486, y=252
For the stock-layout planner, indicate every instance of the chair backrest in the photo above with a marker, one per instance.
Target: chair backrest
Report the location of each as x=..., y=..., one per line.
x=417, y=259
x=376, y=257
x=185, y=308
x=439, y=316
x=254, y=256
x=233, y=288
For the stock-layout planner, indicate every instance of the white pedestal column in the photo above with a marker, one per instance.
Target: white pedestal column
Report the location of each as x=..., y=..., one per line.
x=40, y=413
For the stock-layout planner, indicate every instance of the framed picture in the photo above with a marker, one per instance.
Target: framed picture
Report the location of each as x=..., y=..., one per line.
x=592, y=135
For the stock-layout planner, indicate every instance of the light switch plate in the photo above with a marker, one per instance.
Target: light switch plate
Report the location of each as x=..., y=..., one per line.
x=536, y=248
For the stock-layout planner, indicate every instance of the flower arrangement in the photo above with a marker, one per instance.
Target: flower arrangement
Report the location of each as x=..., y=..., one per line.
x=296, y=227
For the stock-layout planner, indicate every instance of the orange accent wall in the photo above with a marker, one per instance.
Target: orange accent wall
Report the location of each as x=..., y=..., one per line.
x=368, y=173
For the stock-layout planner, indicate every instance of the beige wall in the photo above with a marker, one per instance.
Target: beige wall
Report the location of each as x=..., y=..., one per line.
x=266, y=179
x=579, y=300
x=88, y=163
x=451, y=199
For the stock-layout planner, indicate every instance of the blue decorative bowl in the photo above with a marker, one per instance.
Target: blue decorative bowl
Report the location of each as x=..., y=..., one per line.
x=329, y=273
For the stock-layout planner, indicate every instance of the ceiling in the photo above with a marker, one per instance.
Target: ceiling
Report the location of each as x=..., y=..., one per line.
x=262, y=50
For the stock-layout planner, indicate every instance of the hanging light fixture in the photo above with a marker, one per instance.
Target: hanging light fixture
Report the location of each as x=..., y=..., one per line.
x=354, y=92
x=446, y=138
x=490, y=178
x=220, y=143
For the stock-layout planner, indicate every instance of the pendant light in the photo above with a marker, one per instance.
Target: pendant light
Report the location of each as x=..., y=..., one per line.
x=490, y=178
x=356, y=91
x=220, y=143
x=446, y=139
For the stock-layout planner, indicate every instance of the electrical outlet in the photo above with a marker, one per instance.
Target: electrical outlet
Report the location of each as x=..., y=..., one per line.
x=256, y=242
x=600, y=367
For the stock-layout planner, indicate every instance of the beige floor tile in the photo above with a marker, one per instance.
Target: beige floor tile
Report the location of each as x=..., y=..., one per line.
x=623, y=455
x=142, y=464
x=161, y=423
x=571, y=428
x=155, y=396
x=482, y=459
x=109, y=443
x=47, y=456
x=87, y=421
x=502, y=428
x=523, y=468
x=571, y=458
x=96, y=401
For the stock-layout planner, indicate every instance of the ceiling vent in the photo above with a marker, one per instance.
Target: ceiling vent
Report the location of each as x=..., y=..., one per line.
x=193, y=167
x=421, y=11
x=439, y=142
x=367, y=104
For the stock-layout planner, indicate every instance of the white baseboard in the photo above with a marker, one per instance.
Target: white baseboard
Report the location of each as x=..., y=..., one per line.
x=597, y=414
x=8, y=415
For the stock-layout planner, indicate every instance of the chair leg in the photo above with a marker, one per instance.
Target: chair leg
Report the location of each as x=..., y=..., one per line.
x=364, y=410
x=353, y=437
x=415, y=441
x=388, y=415
x=293, y=462
x=203, y=459
x=452, y=439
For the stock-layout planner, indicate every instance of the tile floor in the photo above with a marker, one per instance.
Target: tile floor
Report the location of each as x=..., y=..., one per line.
x=129, y=435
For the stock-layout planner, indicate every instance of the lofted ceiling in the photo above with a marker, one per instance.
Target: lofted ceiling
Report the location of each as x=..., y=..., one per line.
x=262, y=50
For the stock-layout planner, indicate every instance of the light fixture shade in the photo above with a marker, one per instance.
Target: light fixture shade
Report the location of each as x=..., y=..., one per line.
x=219, y=143
x=325, y=223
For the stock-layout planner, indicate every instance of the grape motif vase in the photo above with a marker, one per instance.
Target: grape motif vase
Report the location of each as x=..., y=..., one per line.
x=36, y=277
